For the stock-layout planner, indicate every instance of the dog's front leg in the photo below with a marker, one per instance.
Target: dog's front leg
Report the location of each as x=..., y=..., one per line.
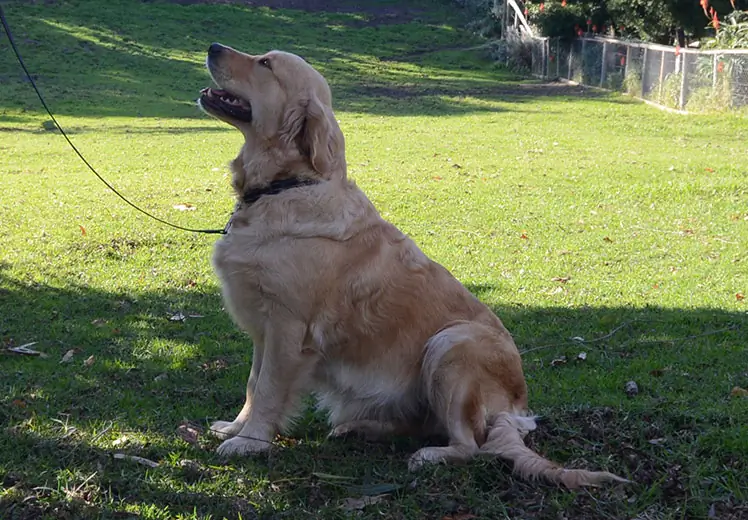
x=227, y=429
x=284, y=376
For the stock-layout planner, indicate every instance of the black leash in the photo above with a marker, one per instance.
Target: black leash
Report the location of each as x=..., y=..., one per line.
x=33, y=84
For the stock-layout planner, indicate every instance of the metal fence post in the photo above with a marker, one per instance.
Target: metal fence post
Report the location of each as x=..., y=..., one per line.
x=714, y=72
x=628, y=59
x=662, y=73
x=683, y=84
x=584, y=54
x=558, y=57
x=602, y=67
x=644, y=70
x=571, y=54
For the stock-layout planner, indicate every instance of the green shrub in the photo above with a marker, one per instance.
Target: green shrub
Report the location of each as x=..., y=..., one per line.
x=710, y=98
x=632, y=83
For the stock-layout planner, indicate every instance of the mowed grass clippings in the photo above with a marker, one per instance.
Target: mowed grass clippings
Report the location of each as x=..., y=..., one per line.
x=590, y=223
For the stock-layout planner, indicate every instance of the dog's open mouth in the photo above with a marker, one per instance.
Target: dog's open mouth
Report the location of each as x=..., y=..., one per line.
x=221, y=102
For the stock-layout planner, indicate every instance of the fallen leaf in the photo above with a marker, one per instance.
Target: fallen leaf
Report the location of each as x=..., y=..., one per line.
x=83, y=230
x=134, y=458
x=687, y=232
x=738, y=392
x=26, y=351
x=177, y=317
x=99, y=322
x=562, y=279
x=582, y=356
x=19, y=403
x=188, y=433
x=89, y=361
x=559, y=361
x=524, y=236
x=185, y=207
x=608, y=239
x=356, y=504
x=657, y=372
x=68, y=356
x=739, y=296
x=631, y=388
x=436, y=178
x=710, y=170
x=455, y=165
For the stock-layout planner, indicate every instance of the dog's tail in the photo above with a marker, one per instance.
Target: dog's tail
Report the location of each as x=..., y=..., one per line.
x=505, y=440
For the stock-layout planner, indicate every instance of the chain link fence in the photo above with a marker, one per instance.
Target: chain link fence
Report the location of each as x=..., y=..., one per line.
x=683, y=79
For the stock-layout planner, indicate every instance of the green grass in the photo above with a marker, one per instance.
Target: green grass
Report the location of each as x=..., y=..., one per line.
x=507, y=183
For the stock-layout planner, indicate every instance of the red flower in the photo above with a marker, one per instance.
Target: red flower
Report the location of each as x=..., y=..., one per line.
x=721, y=67
x=704, y=4
x=526, y=12
x=677, y=49
x=563, y=3
x=594, y=28
x=621, y=28
x=542, y=7
x=623, y=61
x=715, y=21
x=580, y=32
x=589, y=21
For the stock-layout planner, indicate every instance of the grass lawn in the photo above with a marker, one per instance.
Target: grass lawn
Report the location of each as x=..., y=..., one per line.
x=590, y=223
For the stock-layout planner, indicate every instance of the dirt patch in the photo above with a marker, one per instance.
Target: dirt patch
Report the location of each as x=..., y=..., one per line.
x=376, y=13
x=498, y=91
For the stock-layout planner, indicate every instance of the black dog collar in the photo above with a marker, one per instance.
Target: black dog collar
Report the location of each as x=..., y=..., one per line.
x=274, y=188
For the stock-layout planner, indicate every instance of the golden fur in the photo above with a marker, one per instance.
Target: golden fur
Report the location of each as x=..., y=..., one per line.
x=340, y=303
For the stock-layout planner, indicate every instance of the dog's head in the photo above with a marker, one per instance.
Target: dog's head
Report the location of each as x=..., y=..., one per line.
x=283, y=106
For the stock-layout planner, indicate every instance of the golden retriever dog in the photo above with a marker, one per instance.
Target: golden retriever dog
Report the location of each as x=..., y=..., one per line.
x=339, y=303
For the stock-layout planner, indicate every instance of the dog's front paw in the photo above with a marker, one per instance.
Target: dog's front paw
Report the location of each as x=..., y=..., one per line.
x=238, y=446
x=225, y=429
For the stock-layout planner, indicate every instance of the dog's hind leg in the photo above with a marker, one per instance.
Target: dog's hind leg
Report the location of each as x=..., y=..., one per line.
x=448, y=374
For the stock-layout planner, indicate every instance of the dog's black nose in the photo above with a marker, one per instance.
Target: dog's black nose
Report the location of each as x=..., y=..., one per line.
x=215, y=49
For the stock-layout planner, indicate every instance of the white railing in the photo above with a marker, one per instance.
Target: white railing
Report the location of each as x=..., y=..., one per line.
x=684, y=79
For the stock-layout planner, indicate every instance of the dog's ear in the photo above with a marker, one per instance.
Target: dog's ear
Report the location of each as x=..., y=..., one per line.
x=313, y=127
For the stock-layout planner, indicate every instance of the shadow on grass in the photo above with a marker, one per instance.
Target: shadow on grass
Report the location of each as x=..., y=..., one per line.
x=107, y=59
x=149, y=373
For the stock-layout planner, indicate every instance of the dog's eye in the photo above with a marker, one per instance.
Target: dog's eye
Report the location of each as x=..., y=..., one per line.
x=265, y=62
